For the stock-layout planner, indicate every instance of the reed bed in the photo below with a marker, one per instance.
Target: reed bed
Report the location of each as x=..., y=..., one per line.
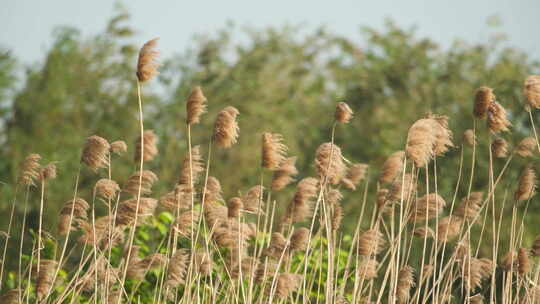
x=411, y=243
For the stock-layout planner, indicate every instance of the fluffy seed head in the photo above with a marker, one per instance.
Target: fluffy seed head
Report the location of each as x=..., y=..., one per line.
x=526, y=147
x=300, y=207
x=127, y=210
x=273, y=151
x=283, y=176
x=106, y=188
x=71, y=211
x=329, y=163
x=252, y=200
x=499, y=148
x=427, y=207
x=234, y=207
x=178, y=266
x=226, y=127
x=343, y=113
x=30, y=169
x=96, y=152
x=423, y=232
x=524, y=265
x=195, y=106
x=497, y=121
x=367, y=270
x=392, y=167
x=118, y=147
x=355, y=174
x=213, y=190
x=535, y=248
x=402, y=188
x=469, y=138
x=149, y=146
x=483, y=99
x=44, y=276
x=404, y=284
x=48, y=172
x=427, y=138
x=470, y=206
x=337, y=216
x=287, y=283
x=299, y=239
x=382, y=200
x=147, y=65
x=526, y=185
x=509, y=261
x=449, y=227
x=185, y=222
x=370, y=242
x=277, y=246
x=140, y=181
x=531, y=91
x=195, y=167
x=11, y=296
x=177, y=200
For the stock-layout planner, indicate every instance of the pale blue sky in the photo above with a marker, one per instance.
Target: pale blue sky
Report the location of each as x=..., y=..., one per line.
x=27, y=24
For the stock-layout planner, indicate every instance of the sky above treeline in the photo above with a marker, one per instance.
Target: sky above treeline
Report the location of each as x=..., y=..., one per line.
x=27, y=25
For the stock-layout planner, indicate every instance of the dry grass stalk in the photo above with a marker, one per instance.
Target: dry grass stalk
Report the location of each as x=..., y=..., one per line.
x=526, y=147
x=195, y=169
x=370, y=243
x=96, y=153
x=273, y=150
x=499, y=147
x=30, y=170
x=392, y=167
x=469, y=137
x=150, y=149
x=404, y=284
x=497, y=121
x=343, y=113
x=195, y=106
x=106, y=188
x=483, y=99
x=531, y=92
x=127, y=210
x=283, y=176
x=118, y=147
x=329, y=163
x=147, y=65
x=226, y=127
x=526, y=185
x=140, y=181
x=355, y=174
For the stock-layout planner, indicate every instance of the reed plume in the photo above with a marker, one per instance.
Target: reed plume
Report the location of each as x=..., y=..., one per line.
x=402, y=188
x=147, y=65
x=44, y=276
x=499, y=148
x=531, y=92
x=370, y=242
x=77, y=208
x=526, y=184
x=343, y=113
x=299, y=239
x=213, y=190
x=96, y=153
x=177, y=200
x=277, y=247
x=367, y=269
x=195, y=169
x=106, y=188
x=195, y=106
x=392, y=167
x=535, y=248
x=48, y=172
x=427, y=207
x=355, y=174
x=273, y=150
x=140, y=181
x=185, y=222
x=287, y=283
x=423, y=232
x=30, y=170
x=483, y=99
x=149, y=146
x=283, y=176
x=252, y=199
x=524, y=264
x=118, y=147
x=469, y=207
x=234, y=206
x=11, y=296
x=329, y=163
x=449, y=227
x=138, y=267
x=469, y=137
x=526, y=147
x=178, y=267
x=404, y=284
x=226, y=127
x=127, y=210
x=427, y=138
x=497, y=121
x=300, y=207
